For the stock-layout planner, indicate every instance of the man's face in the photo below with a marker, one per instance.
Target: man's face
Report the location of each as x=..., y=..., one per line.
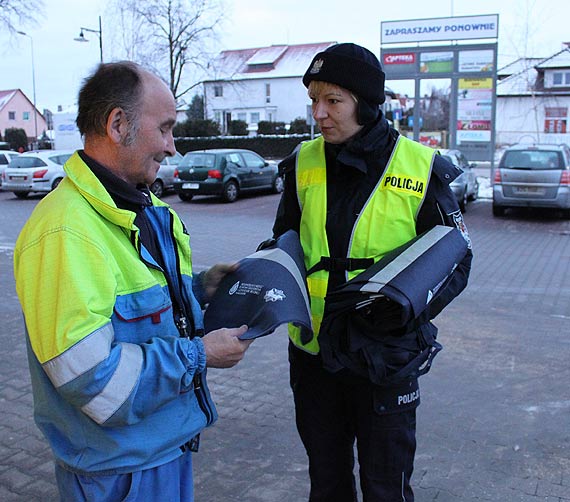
x=335, y=110
x=153, y=140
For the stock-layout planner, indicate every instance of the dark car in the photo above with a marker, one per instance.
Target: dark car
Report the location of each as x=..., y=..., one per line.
x=226, y=173
x=533, y=176
x=465, y=186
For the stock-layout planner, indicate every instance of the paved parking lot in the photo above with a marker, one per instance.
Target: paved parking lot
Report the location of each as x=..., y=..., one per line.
x=494, y=423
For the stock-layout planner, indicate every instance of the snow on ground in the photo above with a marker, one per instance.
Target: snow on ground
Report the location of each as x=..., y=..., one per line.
x=485, y=188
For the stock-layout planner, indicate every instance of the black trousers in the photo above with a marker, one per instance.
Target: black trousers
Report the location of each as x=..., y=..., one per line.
x=335, y=410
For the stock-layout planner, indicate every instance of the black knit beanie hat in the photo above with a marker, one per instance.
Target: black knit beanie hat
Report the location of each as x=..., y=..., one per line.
x=354, y=68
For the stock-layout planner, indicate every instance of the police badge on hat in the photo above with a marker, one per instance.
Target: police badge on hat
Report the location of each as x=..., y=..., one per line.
x=317, y=65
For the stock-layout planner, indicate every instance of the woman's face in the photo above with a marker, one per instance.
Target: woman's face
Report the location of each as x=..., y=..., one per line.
x=335, y=111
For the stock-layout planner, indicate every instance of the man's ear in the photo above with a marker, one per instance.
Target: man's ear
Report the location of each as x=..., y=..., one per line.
x=117, y=125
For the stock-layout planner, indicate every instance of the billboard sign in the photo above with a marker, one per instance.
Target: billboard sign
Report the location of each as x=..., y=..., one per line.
x=446, y=28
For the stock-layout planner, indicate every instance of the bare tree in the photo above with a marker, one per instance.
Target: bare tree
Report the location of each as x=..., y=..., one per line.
x=15, y=14
x=170, y=36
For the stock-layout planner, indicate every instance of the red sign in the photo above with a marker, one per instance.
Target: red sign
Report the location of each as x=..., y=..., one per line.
x=403, y=58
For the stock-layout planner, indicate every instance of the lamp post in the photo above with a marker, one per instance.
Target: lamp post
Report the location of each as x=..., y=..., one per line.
x=35, y=111
x=99, y=32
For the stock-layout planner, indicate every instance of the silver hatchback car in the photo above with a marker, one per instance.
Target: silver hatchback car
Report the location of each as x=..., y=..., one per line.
x=37, y=171
x=465, y=186
x=165, y=177
x=533, y=176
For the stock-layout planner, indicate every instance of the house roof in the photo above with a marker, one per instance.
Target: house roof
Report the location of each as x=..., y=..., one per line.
x=520, y=77
x=559, y=60
x=518, y=66
x=6, y=96
x=265, y=62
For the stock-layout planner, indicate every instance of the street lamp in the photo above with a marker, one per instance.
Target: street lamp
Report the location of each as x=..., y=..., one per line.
x=33, y=84
x=99, y=32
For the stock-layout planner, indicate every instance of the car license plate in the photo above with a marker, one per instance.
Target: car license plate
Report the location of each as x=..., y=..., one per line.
x=190, y=186
x=18, y=178
x=530, y=190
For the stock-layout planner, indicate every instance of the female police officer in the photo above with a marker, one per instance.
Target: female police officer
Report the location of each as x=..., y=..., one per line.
x=334, y=197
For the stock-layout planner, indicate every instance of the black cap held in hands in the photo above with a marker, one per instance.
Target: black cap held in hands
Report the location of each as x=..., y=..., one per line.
x=352, y=67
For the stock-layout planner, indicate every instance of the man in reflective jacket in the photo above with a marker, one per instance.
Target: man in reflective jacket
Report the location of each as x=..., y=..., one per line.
x=117, y=350
x=355, y=194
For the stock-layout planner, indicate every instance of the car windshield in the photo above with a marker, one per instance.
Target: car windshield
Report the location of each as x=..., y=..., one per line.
x=198, y=160
x=25, y=162
x=532, y=159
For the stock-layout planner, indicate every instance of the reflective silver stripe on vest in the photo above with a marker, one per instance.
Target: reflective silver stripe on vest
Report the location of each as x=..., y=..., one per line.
x=80, y=358
x=119, y=387
x=279, y=256
x=384, y=276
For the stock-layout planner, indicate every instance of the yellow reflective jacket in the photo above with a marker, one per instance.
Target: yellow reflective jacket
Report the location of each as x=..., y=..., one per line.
x=387, y=220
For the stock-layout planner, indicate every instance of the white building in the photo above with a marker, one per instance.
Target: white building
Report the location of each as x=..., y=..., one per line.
x=260, y=84
x=533, y=100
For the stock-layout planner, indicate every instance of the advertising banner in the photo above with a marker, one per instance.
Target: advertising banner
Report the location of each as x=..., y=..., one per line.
x=474, y=109
x=436, y=62
x=476, y=61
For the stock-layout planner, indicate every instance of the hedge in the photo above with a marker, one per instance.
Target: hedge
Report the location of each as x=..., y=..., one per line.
x=270, y=146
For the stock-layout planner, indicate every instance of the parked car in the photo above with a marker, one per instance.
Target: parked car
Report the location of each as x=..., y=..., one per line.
x=5, y=157
x=165, y=177
x=226, y=173
x=36, y=171
x=532, y=176
x=465, y=186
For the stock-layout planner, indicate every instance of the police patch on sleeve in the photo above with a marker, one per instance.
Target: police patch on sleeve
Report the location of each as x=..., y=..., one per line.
x=460, y=225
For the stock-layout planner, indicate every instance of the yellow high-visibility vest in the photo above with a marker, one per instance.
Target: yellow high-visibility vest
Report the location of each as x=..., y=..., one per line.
x=387, y=220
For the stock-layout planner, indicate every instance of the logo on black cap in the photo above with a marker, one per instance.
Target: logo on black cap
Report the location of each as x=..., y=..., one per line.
x=317, y=65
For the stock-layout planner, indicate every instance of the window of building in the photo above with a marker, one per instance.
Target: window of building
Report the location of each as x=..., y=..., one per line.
x=254, y=117
x=242, y=116
x=268, y=93
x=218, y=91
x=555, y=119
x=218, y=117
x=26, y=115
x=11, y=115
x=561, y=78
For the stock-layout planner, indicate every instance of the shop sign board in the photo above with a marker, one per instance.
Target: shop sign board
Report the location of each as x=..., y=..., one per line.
x=430, y=30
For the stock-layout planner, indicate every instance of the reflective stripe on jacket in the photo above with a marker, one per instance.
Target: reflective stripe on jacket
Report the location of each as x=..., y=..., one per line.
x=113, y=379
x=387, y=220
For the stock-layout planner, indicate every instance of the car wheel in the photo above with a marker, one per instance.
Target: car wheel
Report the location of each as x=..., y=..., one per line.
x=21, y=195
x=475, y=193
x=185, y=196
x=463, y=201
x=157, y=188
x=498, y=210
x=278, y=184
x=55, y=183
x=230, y=193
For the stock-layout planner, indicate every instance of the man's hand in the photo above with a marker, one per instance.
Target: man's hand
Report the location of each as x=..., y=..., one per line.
x=223, y=347
x=214, y=275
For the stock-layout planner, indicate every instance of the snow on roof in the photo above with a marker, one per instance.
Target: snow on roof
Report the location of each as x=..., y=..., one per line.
x=518, y=66
x=559, y=60
x=520, y=83
x=266, y=62
x=520, y=77
x=6, y=96
x=266, y=55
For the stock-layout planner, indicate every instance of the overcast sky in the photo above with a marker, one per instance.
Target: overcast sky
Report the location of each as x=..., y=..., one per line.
x=526, y=28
